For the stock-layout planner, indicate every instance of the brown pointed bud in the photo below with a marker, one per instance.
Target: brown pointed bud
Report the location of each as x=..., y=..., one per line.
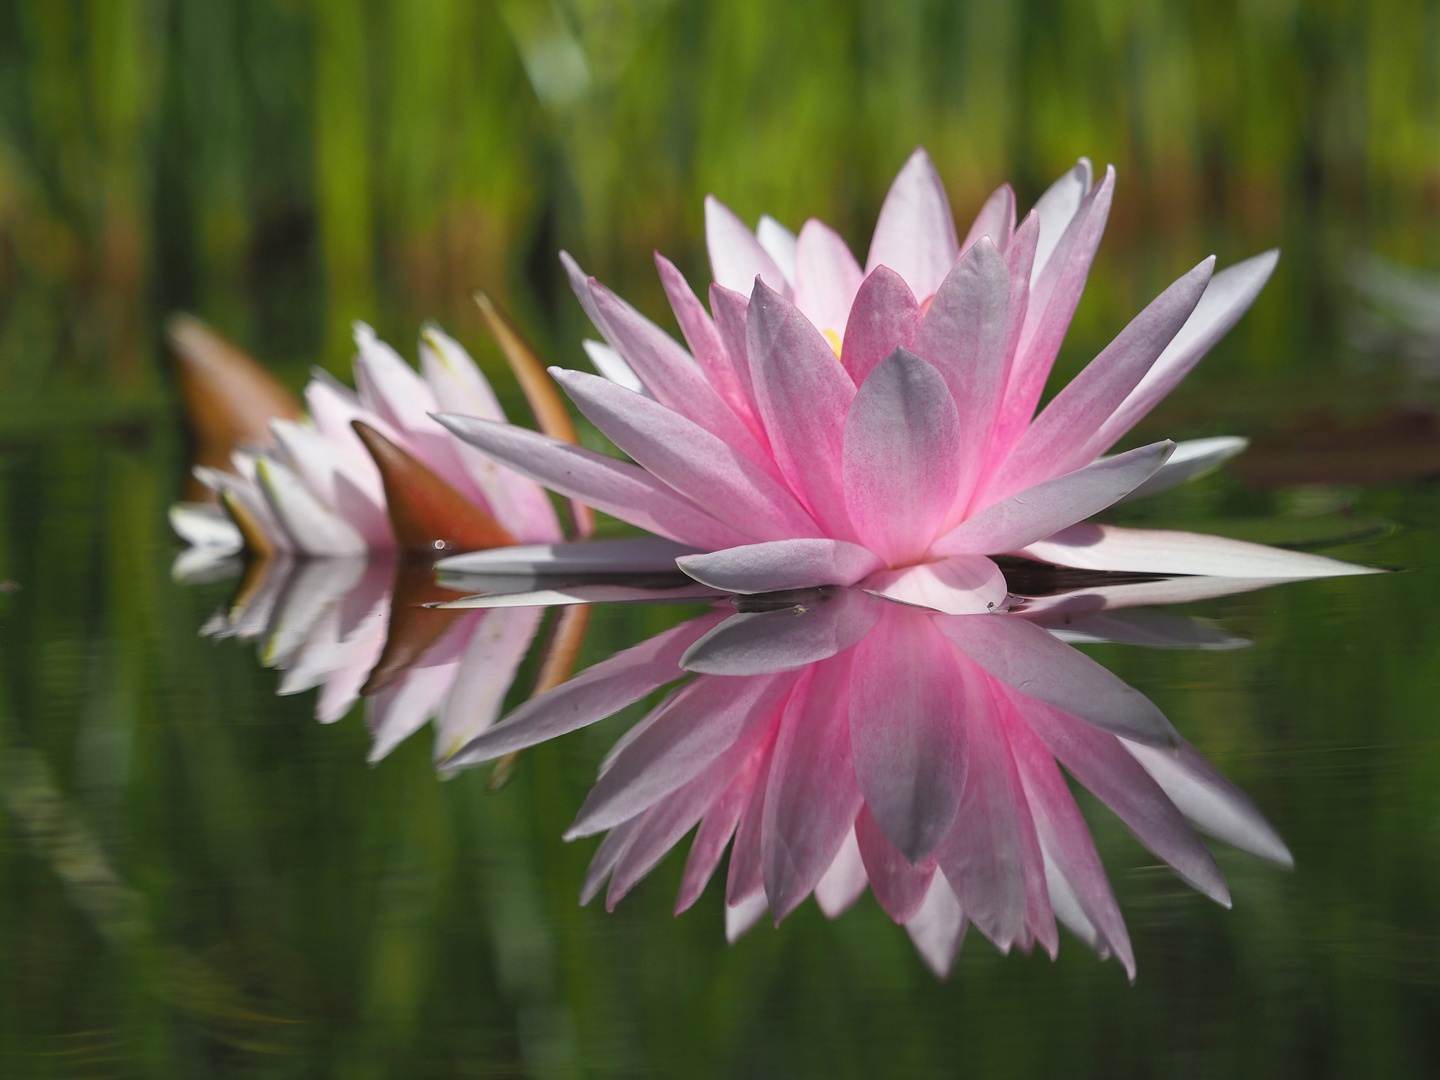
x=427, y=515
x=413, y=626
x=543, y=396
x=229, y=398
x=566, y=638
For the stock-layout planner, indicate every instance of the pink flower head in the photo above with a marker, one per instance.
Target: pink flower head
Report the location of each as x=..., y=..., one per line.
x=833, y=425
x=837, y=741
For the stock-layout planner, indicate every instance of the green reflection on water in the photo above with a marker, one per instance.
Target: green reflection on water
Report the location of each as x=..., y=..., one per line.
x=200, y=880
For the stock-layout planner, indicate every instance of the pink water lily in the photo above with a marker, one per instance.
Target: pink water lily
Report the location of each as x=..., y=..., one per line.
x=838, y=741
x=830, y=424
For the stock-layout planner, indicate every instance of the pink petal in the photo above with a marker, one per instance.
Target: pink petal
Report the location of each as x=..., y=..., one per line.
x=901, y=457
x=670, y=373
x=898, y=884
x=693, y=727
x=915, y=234
x=611, y=486
x=883, y=318
x=1057, y=280
x=965, y=335
x=606, y=856
x=746, y=877
x=354, y=494
x=991, y=858
x=595, y=693
x=1064, y=437
x=803, y=394
x=957, y=585
x=736, y=256
x=1212, y=802
x=704, y=339
x=781, y=564
x=492, y=657
x=621, y=555
x=731, y=310
x=995, y=220
x=779, y=243
x=1227, y=297
x=1068, y=848
x=844, y=882
x=1162, y=551
x=313, y=527
x=715, y=831
x=1025, y=657
x=907, y=729
x=826, y=278
x=938, y=927
x=697, y=464
x=811, y=629
x=1192, y=459
x=812, y=798
x=1058, y=207
x=1098, y=760
x=1051, y=505
x=398, y=711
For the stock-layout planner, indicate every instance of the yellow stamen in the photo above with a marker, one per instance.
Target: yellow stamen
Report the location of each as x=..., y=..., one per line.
x=834, y=340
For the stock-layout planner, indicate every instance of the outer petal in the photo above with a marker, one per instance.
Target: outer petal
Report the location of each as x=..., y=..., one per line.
x=812, y=798
x=697, y=464
x=736, y=255
x=488, y=666
x=814, y=627
x=608, y=485
x=938, y=927
x=704, y=339
x=1051, y=505
x=915, y=234
x=354, y=494
x=609, y=363
x=803, y=394
x=1192, y=459
x=595, y=693
x=779, y=243
x=901, y=458
x=995, y=220
x=625, y=555
x=1063, y=437
x=1162, y=551
x=907, y=706
x=1228, y=296
x=957, y=585
x=899, y=885
x=884, y=317
x=313, y=527
x=715, y=832
x=844, y=881
x=826, y=278
x=1058, y=206
x=1022, y=655
x=781, y=564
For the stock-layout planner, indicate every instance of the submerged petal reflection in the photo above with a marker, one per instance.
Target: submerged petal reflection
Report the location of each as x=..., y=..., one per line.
x=832, y=739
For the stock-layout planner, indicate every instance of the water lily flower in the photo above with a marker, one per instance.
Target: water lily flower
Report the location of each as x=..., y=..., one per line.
x=833, y=740
x=369, y=470
x=359, y=627
x=837, y=425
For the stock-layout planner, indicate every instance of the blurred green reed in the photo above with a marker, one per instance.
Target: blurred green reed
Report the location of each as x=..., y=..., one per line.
x=198, y=880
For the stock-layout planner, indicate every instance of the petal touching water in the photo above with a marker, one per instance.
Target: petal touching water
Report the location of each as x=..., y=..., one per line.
x=781, y=564
x=811, y=626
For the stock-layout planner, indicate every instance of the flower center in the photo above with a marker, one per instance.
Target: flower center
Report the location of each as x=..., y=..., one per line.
x=834, y=339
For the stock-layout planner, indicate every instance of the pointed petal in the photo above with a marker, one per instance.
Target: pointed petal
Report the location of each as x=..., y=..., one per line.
x=736, y=256
x=803, y=394
x=611, y=486
x=597, y=692
x=899, y=885
x=1025, y=657
x=355, y=494
x=781, y=564
x=915, y=234
x=1191, y=460
x=779, y=243
x=1098, y=760
x=813, y=628
x=1058, y=207
x=704, y=339
x=624, y=555
x=740, y=917
x=844, y=882
x=715, y=832
x=702, y=720
x=609, y=363
x=745, y=877
x=205, y=526
x=957, y=585
x=731, y=310
x=906, y=724
x=1039, y=511
x=1162, y=551
x=883, y=317
x=812, y=798
x=901, y=457
x=544, y=400
x=826, y=277
x=1227, y=297
x=606, y=856
x=586, y=594
x=488, y=666
x=692, y=461
x=313, y=528
x=412, y=627
x=938, y=927
x=1212, y=802
x=995, y=220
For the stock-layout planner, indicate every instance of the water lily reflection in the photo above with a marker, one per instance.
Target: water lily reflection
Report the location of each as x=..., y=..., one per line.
x=833, y=740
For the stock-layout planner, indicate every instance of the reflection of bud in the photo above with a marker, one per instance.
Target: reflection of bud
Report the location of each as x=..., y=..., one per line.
x=360, y=628
x=834, y=740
